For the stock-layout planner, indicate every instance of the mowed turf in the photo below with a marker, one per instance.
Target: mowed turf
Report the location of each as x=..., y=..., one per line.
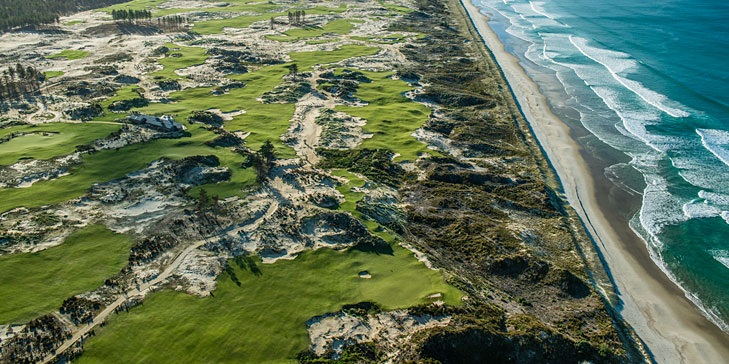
x=391, y=117
x=49, y=140
x=264, y=319
x=69, y=54
x=178, y=58
x=33, y=284
x=339, y=26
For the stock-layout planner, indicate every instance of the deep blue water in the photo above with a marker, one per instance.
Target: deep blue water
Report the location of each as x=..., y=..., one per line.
x=650, y=79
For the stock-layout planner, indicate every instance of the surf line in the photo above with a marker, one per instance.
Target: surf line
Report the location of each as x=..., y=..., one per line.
x=676, y=113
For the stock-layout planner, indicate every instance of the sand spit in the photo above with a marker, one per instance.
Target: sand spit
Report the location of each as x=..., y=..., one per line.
x=670, y=325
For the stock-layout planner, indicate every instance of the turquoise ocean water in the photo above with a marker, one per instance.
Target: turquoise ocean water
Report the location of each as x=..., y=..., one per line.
x=650, y=80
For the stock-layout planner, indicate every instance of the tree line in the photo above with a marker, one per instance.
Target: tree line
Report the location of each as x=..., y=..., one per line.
x=131, y=14
x=137, y=15
x=20, y=13
x=19, y=81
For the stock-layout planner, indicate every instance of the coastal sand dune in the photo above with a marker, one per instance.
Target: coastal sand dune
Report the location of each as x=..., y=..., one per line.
x=669, y=324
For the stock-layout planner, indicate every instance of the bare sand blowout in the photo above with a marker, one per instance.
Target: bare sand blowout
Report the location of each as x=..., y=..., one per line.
x=670, y=325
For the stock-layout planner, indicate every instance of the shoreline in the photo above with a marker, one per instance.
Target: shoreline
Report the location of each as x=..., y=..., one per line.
x=669, y=324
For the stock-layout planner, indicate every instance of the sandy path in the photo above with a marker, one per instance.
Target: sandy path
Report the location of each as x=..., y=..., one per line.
x=671, y=326
x=144, y=288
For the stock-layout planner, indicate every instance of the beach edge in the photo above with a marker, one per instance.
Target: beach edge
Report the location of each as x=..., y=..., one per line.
x=670, y=325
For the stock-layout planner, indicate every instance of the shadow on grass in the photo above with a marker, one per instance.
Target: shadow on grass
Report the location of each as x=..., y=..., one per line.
x=376, y=248
x=248, y=263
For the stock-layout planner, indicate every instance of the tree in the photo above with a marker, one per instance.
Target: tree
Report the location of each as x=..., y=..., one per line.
x=272, y=22
x=268, y=152
x=294, y=69
x=260, y=167
x=202, y=200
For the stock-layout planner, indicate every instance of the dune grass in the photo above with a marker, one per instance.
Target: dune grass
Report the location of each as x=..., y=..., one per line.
x=49, y=140
x=391, y=117
x=69, y=55
x=33, y=284
x=262, y=320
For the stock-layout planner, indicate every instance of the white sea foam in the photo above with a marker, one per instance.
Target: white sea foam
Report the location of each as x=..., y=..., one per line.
x=721, y=256
x=616, y=62
x=699, y=208
x=716, y=142
x=538, y=7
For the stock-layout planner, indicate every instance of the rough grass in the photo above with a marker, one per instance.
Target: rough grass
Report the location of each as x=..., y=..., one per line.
x=69, y=54
x=263, y=319
x=59, y=139
x=390, y=116
x=33, y=284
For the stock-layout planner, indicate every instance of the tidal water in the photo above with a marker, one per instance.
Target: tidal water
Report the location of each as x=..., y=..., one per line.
x=650, y=81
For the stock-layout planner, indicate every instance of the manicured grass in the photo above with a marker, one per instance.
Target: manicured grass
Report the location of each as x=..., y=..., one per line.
x=188, y=56
x=52, y=74
x=75, y=22
x=390, y=116
x=61, y=139
x=70, y=54
x=395, y=8
x=262, y=320
x=339, y=26
x=33, y=284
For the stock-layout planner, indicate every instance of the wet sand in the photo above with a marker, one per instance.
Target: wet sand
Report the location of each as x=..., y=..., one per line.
x=671, y=326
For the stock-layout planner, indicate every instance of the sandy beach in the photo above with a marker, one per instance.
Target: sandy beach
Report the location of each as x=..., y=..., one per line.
x=671, y=326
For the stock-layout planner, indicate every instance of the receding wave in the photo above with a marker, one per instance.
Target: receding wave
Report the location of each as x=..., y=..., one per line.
x=601, y=56
x=716, y=142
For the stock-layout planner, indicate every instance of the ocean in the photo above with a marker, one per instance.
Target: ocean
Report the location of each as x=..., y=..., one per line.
x=647, y=82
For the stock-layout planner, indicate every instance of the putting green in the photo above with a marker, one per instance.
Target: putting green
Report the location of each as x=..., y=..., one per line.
x=33, y=284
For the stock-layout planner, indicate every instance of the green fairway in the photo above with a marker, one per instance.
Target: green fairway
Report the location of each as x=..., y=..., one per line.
x=178, y=58
x=264, y=121
x=70, y=55
x=33, y=284
x=390, y=116
x=52, y=74
x=49, y=140
x=263, y=319
x=339, y=26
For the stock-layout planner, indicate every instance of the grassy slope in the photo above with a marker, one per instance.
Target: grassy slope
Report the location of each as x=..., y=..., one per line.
x=33, y=284
x=263, y=320
x=63, y=141
x=390, y=116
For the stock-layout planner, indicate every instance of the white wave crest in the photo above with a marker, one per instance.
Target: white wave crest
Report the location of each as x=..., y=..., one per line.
x=716, y=142
x=721, y=256
x=616, y=62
